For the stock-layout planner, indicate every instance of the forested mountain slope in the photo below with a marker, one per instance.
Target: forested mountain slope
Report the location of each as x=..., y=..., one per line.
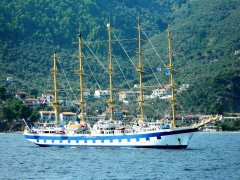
x=205, y=43
x=206, y=40
x=30, y=30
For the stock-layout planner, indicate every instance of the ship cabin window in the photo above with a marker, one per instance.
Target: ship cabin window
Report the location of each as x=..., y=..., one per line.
x=109, y=132
x=48, y=131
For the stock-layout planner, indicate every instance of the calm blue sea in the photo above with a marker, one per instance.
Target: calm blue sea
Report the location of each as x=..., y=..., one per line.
x=209, y=156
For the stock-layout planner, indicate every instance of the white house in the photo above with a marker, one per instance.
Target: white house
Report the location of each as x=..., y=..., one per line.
x=136, y=86
x=48, y=97
x=127, y=95
x=106, y=115
x=184, y=87
x=67, y=116
x=31, y=102
x=99, y=93
x=64, y=117
x=21, y=94
x=47, y=116
x=9, y=79
x=86, y=93
x=158, y=92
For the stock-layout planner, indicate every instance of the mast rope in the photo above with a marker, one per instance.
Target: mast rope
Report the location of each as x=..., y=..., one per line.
x=130, y=61
x=125, y=51
x=179, y=49
x=190, y=68
x=153, y=72
x=126, y=81
x=104, y=41
x=136, y=69
x=188, y=65
x=120, y=67
x=90, y=67
x=67, y=81
x=157, y=82
x=95, y=79
x=93, y=75
x=167, y=67
x=95, y=55
x=188, y=95
x=85, y=42
x=155, y=50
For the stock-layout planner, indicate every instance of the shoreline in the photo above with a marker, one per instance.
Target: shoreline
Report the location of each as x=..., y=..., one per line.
x=210, y=132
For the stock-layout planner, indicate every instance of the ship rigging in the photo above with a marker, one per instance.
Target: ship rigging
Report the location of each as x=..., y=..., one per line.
x=111, y=133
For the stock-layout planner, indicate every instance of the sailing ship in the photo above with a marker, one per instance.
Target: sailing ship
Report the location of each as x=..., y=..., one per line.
x=111, y=133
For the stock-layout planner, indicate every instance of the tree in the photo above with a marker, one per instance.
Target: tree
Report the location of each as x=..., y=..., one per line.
x=34, y=92
x=15, y=106
x=3, y=93
x=34, y=116
x=25, y=111
x=8, y=113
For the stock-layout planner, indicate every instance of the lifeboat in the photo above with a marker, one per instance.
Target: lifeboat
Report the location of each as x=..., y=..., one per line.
x=121, y=128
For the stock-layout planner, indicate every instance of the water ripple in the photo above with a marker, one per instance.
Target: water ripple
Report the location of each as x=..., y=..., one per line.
x=209, y=156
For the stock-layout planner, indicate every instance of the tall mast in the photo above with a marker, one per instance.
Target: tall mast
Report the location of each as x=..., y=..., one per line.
x=171, y=80
x=110, y=102
x=81, y=77
x=140, y=71
x=55, y=102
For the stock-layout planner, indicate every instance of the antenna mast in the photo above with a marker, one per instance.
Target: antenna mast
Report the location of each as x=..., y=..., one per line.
x=110, y=102
x=171, y=80
x=81, y=78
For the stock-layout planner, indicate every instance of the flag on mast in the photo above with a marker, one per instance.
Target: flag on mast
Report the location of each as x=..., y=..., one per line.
x=167, y=72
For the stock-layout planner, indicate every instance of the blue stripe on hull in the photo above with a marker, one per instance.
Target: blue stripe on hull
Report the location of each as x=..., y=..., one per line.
x=99, y=146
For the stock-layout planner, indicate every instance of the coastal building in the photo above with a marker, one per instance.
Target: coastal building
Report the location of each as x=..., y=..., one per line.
x=21, y=95
x=101, y=93
x=190, y=119
x=66, y=102
x=47, y=116
x=47, y=97
x=65, y=117
x=106, y=115
x=184, y=120
x=158, y=93
x=146, y=97
x=161, y=92
x=86, y=93
x=31, y=102
x=136, y=86
x=183, y=87
x=9, y=79
x=231, y=118
x=127, y=95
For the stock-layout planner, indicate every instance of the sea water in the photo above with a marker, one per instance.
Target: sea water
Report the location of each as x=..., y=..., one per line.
x=208, y=156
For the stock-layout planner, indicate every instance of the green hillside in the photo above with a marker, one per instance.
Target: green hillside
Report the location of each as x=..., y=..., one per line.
x=30, y=30
x=205, y=38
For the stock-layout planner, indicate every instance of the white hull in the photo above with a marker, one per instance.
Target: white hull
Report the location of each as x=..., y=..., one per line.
x=177, y=138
